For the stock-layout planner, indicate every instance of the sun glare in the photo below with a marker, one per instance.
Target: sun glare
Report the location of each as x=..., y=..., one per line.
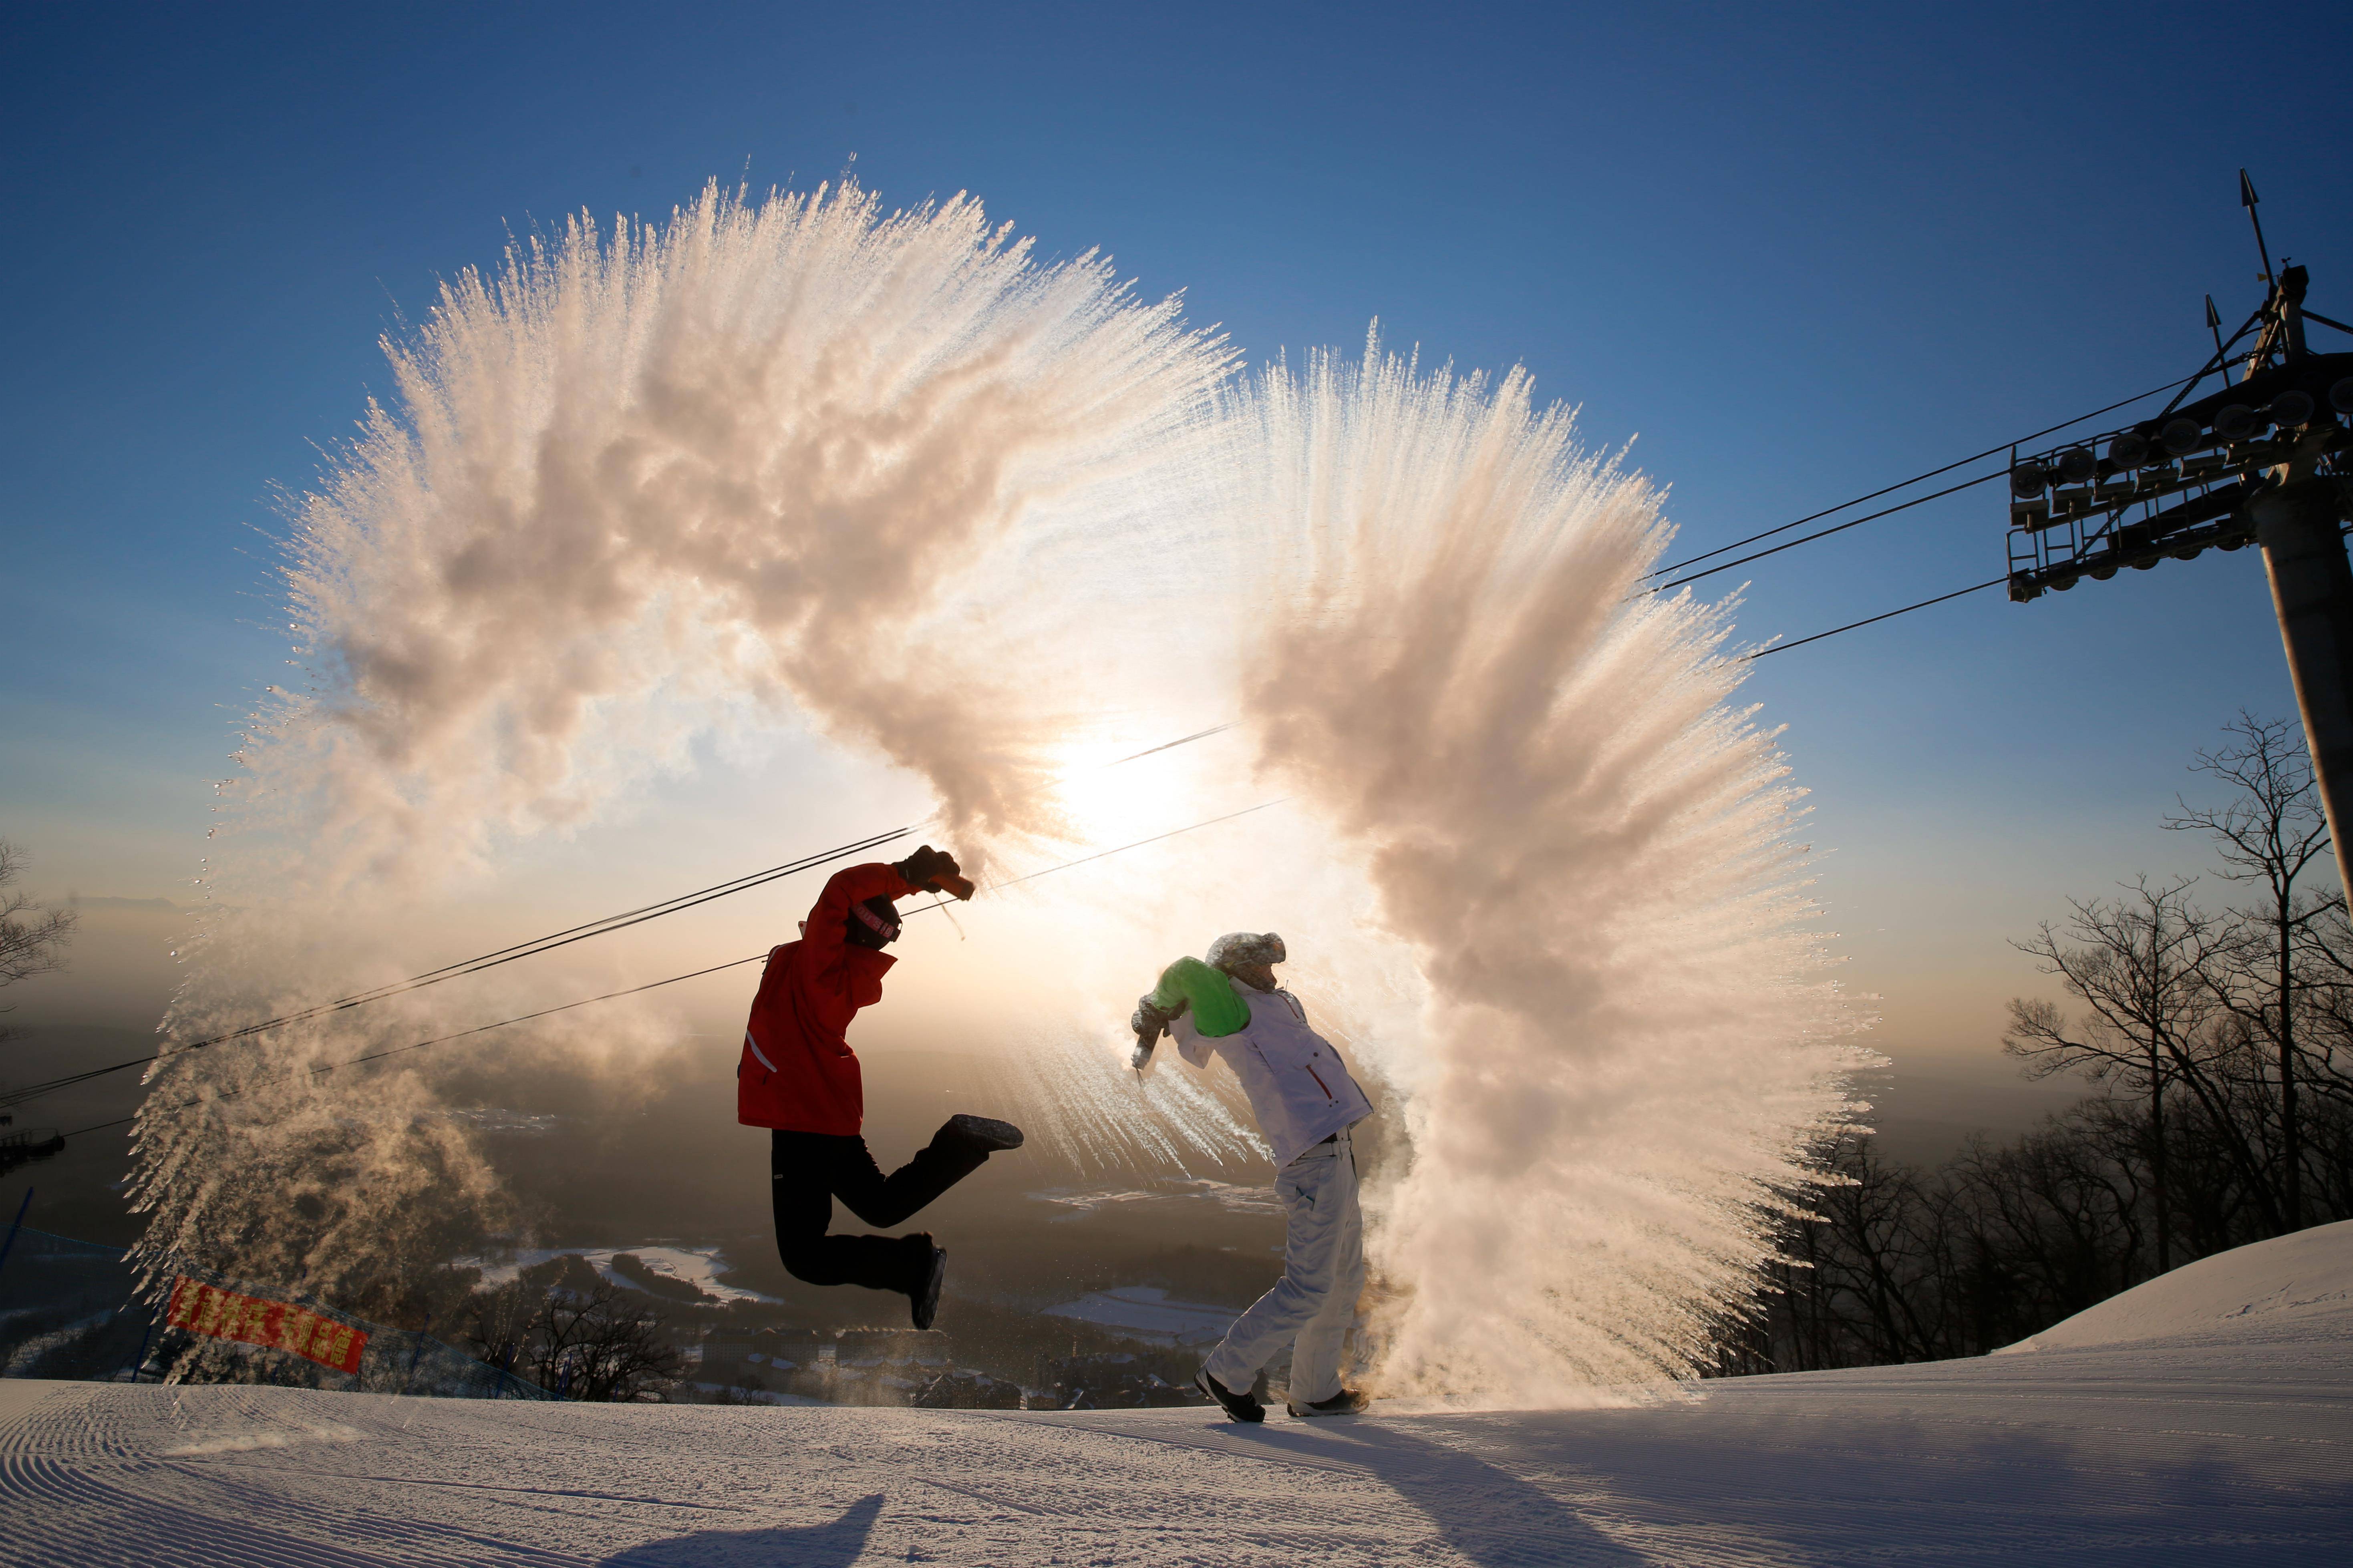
x=1109, y=802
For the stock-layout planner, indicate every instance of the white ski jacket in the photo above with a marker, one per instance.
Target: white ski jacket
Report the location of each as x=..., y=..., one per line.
x=1299, y=1089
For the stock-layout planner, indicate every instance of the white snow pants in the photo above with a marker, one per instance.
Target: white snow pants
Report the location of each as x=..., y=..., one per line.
x=1314, y=1302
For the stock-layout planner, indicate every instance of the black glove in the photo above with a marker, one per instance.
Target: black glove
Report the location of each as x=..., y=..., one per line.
x=933, y=870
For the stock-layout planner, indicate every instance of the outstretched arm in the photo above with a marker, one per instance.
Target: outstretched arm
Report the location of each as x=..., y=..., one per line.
x=827, y=931
x=1189, y=985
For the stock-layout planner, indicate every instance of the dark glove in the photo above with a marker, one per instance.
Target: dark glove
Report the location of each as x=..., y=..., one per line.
x=1151, y=1021
x=933, y=870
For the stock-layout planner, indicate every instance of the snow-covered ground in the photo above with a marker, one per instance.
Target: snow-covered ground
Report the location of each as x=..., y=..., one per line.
x=2270, y=1289
x=1165, y=1193
x=700, y=1267
x=1146, y=1313
x=2186, y=1431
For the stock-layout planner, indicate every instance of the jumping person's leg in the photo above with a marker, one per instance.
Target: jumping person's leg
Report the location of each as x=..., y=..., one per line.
x=1323, y=1229
x=809, y=1169
x=806, y=1170
x=1315, y=1355
x=961, y=1146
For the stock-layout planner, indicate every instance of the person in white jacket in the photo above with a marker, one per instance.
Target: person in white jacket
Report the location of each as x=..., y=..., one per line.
x=1305, y=1103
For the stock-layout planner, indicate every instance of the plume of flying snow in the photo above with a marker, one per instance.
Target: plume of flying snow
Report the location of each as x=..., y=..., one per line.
x=767, y=451
x=809, y=466
x=796, y=459
x=1626, y=1036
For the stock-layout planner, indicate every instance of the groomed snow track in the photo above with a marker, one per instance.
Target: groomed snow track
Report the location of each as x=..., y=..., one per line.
x=2228, y=1439
x=2170, y=1455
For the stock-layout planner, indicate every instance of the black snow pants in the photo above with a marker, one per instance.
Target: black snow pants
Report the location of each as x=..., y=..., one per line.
x=809, y=1169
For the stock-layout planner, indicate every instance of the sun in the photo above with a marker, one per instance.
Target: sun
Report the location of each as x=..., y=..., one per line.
x=1108, y=801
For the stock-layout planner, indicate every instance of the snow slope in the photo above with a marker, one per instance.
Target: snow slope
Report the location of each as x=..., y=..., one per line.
x=2271, y=1287
x=2230, y=1441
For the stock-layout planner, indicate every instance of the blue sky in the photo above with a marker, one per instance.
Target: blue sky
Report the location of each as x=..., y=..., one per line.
x=1798, y=252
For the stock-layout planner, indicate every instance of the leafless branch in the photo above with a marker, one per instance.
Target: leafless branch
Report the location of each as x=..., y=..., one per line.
x=33, y=937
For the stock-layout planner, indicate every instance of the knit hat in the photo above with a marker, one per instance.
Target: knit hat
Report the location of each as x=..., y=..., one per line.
x=1245, y=947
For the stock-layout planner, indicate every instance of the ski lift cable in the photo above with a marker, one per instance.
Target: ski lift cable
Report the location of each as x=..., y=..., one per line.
x=508, y=955
x=628, y=917
x=754, y=879
x=688, y=900
x=322, y=1070
x=1834, y=528
x=548, y=943
x=1872, y=620
x=717, y=888
x=1904, y=484
x=1084, y=859
x=675, y=979
x=1139, y=844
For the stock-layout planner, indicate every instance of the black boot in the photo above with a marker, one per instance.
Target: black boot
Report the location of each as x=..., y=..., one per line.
x=1347, y=1402
x=925, y=1296
x=986, y=1133
x=1242, y=1406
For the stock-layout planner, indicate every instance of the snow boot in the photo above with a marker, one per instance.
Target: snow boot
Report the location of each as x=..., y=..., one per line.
x=1242, y=1406
x=1347, y=1402
x=926, y=1298
x=987, y=1132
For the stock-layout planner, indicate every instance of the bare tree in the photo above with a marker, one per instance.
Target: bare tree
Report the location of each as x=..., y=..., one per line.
x=2269, y=834
x=31, y=945
x=596, y=1347
x=500, y=1322
x=2139, y=965
x=2225, y=1048
x=585, y=1343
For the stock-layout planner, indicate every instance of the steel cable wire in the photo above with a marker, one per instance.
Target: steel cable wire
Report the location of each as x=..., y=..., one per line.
x=691, y=975
x=549, y=942
x=758, y=957
x=1904, y=484
x=1825, y=534
x=688, y=900
x=1883, y=616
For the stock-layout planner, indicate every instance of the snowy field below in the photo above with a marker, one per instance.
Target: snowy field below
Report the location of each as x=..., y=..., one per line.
x=1145, y=1312
x=698, y=1267
x=2214, y=1427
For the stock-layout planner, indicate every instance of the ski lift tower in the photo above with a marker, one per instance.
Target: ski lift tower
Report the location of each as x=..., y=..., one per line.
x=2267, y=461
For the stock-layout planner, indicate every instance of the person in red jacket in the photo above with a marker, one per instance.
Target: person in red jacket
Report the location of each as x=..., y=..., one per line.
x=799, y=1079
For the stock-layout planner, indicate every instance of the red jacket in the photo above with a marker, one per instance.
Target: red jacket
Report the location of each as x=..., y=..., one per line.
x=798, y=1071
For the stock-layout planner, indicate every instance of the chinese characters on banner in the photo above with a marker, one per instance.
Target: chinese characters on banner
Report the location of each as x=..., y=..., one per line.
x=254, y=1320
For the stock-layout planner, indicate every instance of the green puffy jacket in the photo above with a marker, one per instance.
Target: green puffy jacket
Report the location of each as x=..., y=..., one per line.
x=1189, y=982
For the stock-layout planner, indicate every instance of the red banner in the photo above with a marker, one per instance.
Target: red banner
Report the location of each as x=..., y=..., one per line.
x=256, y=1321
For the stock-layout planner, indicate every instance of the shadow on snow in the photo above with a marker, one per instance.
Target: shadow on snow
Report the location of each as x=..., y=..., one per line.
x=834, y=1545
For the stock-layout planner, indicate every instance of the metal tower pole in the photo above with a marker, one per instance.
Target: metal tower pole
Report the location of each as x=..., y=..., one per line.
x=2298, y=526
x=2297, y=522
